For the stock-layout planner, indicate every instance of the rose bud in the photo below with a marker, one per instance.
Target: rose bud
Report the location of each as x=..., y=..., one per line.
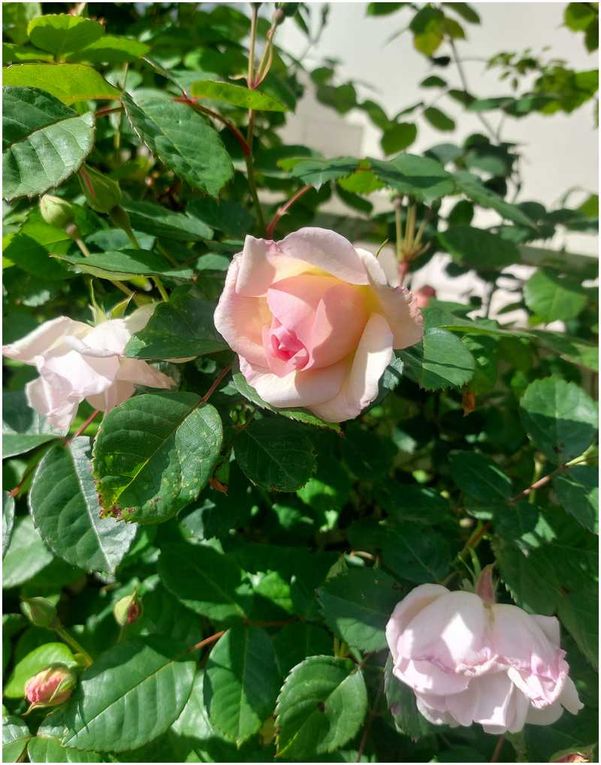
x=40, y=612
x=56, y=211
x=423, y=295
x=127, y=610
x=470, y=660
x=50, y=687
x=574, y=757
x=77, y=361
x=315, y=320
x=101, y=192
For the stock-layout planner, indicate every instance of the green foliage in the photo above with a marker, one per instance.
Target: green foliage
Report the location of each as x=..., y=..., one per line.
x=263, y=548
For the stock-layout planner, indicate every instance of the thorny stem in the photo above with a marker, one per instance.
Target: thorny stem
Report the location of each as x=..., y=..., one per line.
x=215, y=384
x=281, y=211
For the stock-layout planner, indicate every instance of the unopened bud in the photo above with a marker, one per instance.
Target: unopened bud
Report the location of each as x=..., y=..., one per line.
x=278, y=17
x=56, y=211
x=40, y=612
x=575, y=757
x=127, y=610
x=50, y=687
x=423, y=295
x=101, y=192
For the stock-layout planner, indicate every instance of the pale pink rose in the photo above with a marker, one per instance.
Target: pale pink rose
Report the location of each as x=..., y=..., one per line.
x=471, y=660
x=77, y=361
x=315, y=320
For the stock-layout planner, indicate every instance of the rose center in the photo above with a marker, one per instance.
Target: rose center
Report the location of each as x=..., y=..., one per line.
x=286, y=346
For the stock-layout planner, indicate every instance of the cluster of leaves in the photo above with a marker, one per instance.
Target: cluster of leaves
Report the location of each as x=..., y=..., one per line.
x=266, y=549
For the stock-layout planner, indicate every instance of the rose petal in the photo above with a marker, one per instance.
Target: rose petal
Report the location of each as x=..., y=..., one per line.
x=240, y=320
x=50, y=403
x=327, y=251
x=360, y=388
x=139, y=372
x=43, y=339
x=114, y=395
x=296, y=388
x=420, y=597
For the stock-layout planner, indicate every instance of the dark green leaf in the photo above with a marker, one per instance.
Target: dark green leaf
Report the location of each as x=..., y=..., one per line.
x=320, y=708
x=471, y=186
x=132, y=694
x=559, y=417
x=125, y=264
x=479, y=249
x=205, y=581
x=439, y=361
x=357, y=605
x=578, y=492
x=8, y=519
x=153, y=455
x=159, y=221
x=241, y=682
x=479, y=477
x=274, y=453
x=34, y=123
x=66, y=511
x=179, y=328
x=438, y=119
x=551, y=296
x=181, y=139
x=15, y=735
x=26, y=556
x=398, y=137
x=421, y=178
x=414, y=556
x=319, y=171
x=49, y=749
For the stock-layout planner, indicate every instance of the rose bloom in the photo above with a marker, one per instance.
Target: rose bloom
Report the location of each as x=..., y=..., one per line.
x=471, y=660
x=77, y=361
x=315, y=320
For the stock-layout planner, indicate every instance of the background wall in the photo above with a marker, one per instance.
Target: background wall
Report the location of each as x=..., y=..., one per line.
x=561, y=150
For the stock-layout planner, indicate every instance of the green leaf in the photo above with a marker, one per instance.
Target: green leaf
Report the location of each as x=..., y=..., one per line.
x=131, y=695
x=317, y=171
x=236, y=95
x=49, y=749
x=31, y=256
x=241, y=682
x=15, y=18
x=124, y=264
x=275, y=453
x=21, y=443
x=569, y=735
x=438, y=119
x=553, y=296
x=473, y=188
x=559, y=417
x=398, y=137
x=15, y=735
x=154, y=453
x=479, y=249
x=26, y=556
x=439, y=361
x=204, y=580
x=422, y=178
x=573, y=349
x=479, y=477
x=296, y=641
x=400, y=700
x=22, y=427
x=66, y=511
x=62, y=33
x=181, y=139
x=414, y=556
x=357, y=605
x=320, y=708
x=34, y=124
x=223, y=215
x=577, y=16
x=68, y=83
x=8, y=519
x=179, y=328
x=35, y=661
x=159, y=221
x=111, y=49
x=579, y=612
x=578, y=493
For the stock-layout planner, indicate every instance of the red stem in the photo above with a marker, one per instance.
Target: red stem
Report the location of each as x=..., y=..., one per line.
x=215, y=384
x=108, y=110
x=83, y=426
x=207, y=641
x=193, y=102
x=269, y=231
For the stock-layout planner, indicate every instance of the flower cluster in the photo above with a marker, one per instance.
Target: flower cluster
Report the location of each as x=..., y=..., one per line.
x=468, y=659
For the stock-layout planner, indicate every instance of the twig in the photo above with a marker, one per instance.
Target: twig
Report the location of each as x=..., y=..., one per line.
x=370, y=719
x=83, y=426
x=281, y=211
x=489, y=128
x=216, y=383
x=497, y=751
x=207, y=641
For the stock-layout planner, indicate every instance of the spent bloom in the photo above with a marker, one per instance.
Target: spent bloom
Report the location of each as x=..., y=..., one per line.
x=77, y=361
x=50, y=687
x=468, y=660
x=315, y=320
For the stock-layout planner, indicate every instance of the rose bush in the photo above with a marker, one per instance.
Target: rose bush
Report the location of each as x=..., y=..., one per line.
x=315, y=320
x=252, y=505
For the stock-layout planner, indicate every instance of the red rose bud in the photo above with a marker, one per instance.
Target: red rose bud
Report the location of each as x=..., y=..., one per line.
x=424, y=295
x=50, y=687
x=127, y=610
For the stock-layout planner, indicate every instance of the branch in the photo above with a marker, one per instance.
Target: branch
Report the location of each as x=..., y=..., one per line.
x=269, y=231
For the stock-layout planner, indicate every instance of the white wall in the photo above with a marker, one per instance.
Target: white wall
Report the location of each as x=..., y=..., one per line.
x=560, y=150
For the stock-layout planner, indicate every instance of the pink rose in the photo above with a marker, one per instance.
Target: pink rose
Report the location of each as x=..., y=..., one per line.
x=315, y=320
x=77, y=361
x=471, y=660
